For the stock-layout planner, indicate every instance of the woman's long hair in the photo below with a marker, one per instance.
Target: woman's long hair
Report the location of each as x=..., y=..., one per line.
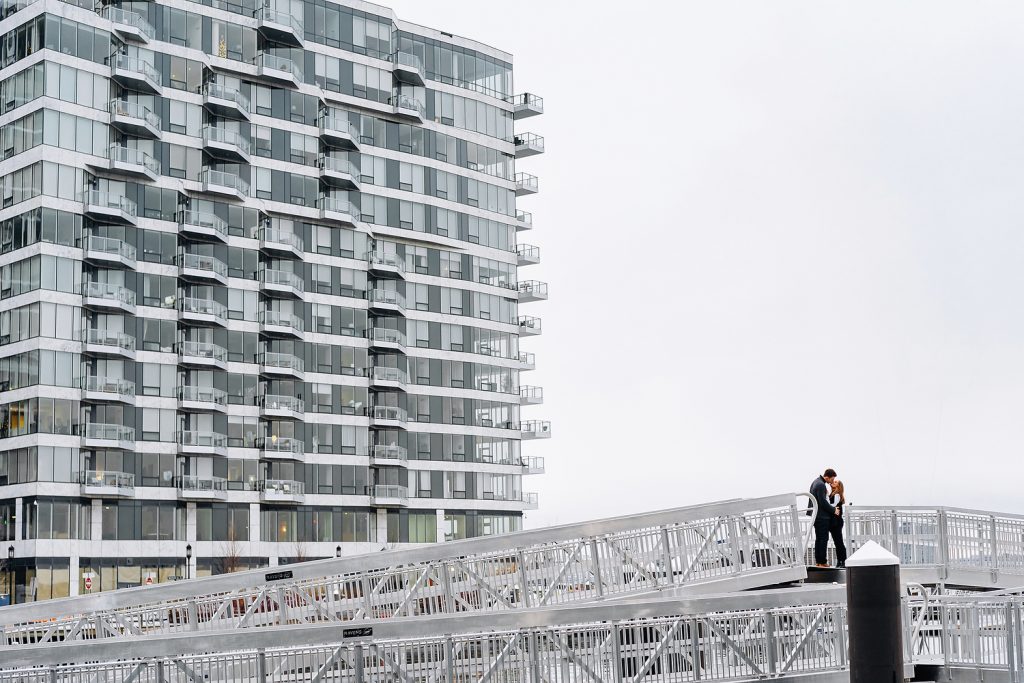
x=840, y=490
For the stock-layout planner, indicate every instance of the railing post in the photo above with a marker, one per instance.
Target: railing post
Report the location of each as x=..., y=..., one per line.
x=595, y=561
x=449, y=659
x=666, y=555
x=841, y=644
x=160, y=677
x=894, y=520
x=523, y=586
x=737, y=551
x=769, y=641
x=1011, y=643
x=193, y=615
x=943, y=530
x=261, y=665
x=995, y=547
x=695, y=657
x=357, y=656
x=616, y=653
x=944, y=627
x=534, y=639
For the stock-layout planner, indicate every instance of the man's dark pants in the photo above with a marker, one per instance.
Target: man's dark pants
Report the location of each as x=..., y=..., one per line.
x=821, y=529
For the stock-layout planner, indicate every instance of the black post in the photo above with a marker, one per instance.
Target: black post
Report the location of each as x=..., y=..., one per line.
x=875, y=615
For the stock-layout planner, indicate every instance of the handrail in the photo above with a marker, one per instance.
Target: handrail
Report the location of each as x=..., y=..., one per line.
x=814, y=514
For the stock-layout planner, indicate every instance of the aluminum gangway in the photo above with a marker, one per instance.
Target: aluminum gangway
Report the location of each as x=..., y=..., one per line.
x=794, y=633
x=727, y=546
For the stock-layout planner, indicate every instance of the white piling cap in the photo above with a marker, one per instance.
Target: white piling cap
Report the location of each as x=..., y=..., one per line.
x=872, y=555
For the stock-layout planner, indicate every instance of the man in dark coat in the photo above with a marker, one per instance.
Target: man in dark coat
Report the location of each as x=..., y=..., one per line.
x=820, y=489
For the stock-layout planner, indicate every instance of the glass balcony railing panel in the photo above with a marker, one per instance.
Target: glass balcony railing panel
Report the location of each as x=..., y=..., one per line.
x=107, y=479
x=386, y=296
x=389, y=452
x=386, y=336
x=109, y=246
x=387, y=260
x=202, y=439
x=199, y=394
x=531, y=393
x=408, y=103
x=265, y=60
x=281, y=319
x=191, y=304
x=208, y=264
x=408, y=60
x=106, y=432
x=136, y=66
x=282, y=402
x=280, y=444
x=203, y=220
x=205, y=350
x=281, y=360
x=534, y=288
x=282, y=278
x=280, y=237
x=536, y=427
x=197, y=484
x=334, y=205
x=333, y=123
x=108, y=200
x=119, y=154
x=270, y=15
x=286, y=487
x=109, y=385
x=104, y=337
x=530, y=322
x=390, y=491
x=524, y=217
x=108, y=291
x=133, y=110
x=218, y=135
x=223, y=92
x=527, y=182
x=133, y=20
x=386, y=374
x=209, y=176
x=333, y=164
x=389, y=413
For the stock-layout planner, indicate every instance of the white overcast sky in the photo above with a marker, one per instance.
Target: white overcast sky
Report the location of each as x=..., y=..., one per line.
x=779, y=236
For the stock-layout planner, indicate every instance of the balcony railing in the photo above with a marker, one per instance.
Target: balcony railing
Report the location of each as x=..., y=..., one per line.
x=204, y=350
x=386, y=374
x=406, y=103
x=107, y=479
x=529, y=323
x=525, y=105
x=197, y=306
x=528, y=360
x=268, y=15
x=390, y=491
x=384, y=335
x=533, y=289
x=333, y=164
x=94, y=199
x=335, y=125
x=279, y=238
x=266, y=61
x=109, y=292
x=229, y=94
x=389, y=452
x=386, y=297
x=106, y=432
x=525, y=218
x=136, y=67
x=285, y=361
x=197, y=484
x=108, y=246
x=204, y=221
x=526, y=183
x=130, y=19
x=389, y=413
x=197, y=394
x=536, y=428
x=282, y=319
x=117, y=386
x=134, y=110
x=280, y=444
x=282, y=278
x=531, y=394
x=283, y=486
x=282, y=402
x=201, y=439
x=207, y=264
x=213, y=178
x=334, y=205
x=105, y=337
x=389, y=261
x=215, y=135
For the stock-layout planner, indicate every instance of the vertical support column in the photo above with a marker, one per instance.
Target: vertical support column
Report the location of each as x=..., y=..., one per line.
x=695, y=649
x=943, y=542
x=895, y=522
x=769, y=637
x=666, y=557
x=357, y=657
x=440, y=526
x=160, y=678
x=875, y=616
x=73, y=570
x=616, y=653
x=449, y=660
x=995, y=547
x=255, y=526
x=524, y=587
x=261, y=665
x=190, y=521
x=382, y=527
x=1011, y=643
x=595, y=563
x=97, y=523
x=19, y=509
x=534, y=640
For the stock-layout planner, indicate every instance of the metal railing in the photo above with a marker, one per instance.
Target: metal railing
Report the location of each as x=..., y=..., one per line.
x=282, y=402
x=335, y=123
x=281, y=319
x=209, y=176
x=734, y=544
x=197, y=394
x=387, y=260
x=201, y=439
x=133, y=110
x=534, y=287
x=272, y=236
x=107, y=200
x=389, y=452
x=108, y=246
x=536, y=427
x=280, y=444
x=105, y=337
x=223, y=92
x=119, y=386
x=530, y=322
x=531, y=393
x=203, y=262
x=198, y=306
x=223, y=136
x=333, y=164
x=386, y=296
x=408, y=60
x=134, y=20
x=282, y=278
x=334, y=205
x=204, y=220
x=389, y=413
x=286, y=487
x=529, y=140
x=107, y=479
x=385, y=335
x=207, y=350
x=108, y=291
x=528, y=252
x=527, y=182
x=400, y=493
x=528, y=359
x=191, y=482
x=272, y=359
x=524, y=217
x=526, y=99
x=273, y=16
x=135, y=66
x=265, y=60
x=386, y=374
x=408, y=103
x=106, y=432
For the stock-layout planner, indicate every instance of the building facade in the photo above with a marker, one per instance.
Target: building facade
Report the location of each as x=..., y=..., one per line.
x=259, y=289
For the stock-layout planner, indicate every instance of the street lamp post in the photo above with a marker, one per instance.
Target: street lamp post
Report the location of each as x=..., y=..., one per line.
x=337, y=551
x=10, y=572
x=188, y=561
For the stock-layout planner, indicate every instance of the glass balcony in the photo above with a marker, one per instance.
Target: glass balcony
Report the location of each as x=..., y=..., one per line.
x=529, y=326
x=281, y=282
x=107, y=389
x=386, y=265
x=527, y=361
x=281, y=491
x=107, y=252
x=388, y=416
x=225, y=144
x=277, y=68
x=338, y=172
x=390, y=496
x=528, y=145
x=223, y=183
x=199, y=267
x=531, y=396
x=532, y=500
x=129, y=25
x=525, y=105
x=104, y=435
x=277, y=405
x=337, y=131
x=105, y=207
x=201, y=398
x=107, y=483
x=278, y=364
x=108, y=295
x=280, y=27
x=202, y=311
x=382, y=338
x=532, y=290
x=279, y=242
x=134, y=119
x=388, y=378
x=193, y=487
x=527, y=254
x=524, y=221
x=408, y=106
x=202, y=442
x=202, y=225
x=202, y=354
x=281, y=447
x=102, y=342
x=526, y=184
x=389, y=455
x=533, y=465
x=222, y=100
x=282, y=323
x=134, y=73
x=337, y=210
x=129, y=161
x=536, y=429
x=408, y=68
x=386, y=300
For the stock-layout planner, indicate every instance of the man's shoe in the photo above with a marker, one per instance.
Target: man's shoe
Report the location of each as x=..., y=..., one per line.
x=822, y=566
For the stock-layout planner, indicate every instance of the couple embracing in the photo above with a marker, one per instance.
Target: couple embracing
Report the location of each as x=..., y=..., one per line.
x=830, y=495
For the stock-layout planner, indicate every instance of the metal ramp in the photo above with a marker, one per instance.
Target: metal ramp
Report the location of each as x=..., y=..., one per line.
x=726, y=546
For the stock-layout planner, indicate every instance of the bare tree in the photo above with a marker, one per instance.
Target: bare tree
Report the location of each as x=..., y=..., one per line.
x=301, y=552
x=230, y=559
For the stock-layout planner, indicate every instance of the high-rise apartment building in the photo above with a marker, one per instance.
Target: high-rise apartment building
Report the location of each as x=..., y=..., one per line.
x=260, y=296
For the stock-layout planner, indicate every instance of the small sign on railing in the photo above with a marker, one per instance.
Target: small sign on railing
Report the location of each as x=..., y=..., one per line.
x=278, y=576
